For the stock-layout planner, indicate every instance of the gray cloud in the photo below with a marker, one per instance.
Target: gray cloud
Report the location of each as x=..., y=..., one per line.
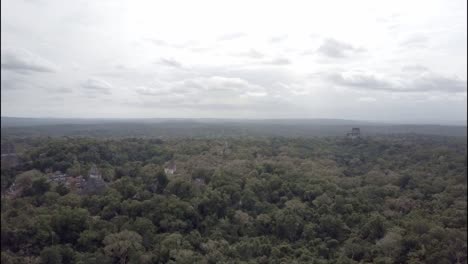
x=361, y=81
x=13, y=84
x=205, y=93
x=427, y=82
x=308, y=52
x=336, y=49
x=278, y=39
x=253, y=104
x=252, y=53
x=57, y=99
x=201, y=49
x=120, y=67
x=146, y=91
x=366, y=99
x=157, y=42
x=213, y=87
x=438, y=83
x=165, y=89
x=94, y=86
x=61, y=90
x=415, y=68
x=278, y=61
x=90, y=35
x=314, y=35
x=23, y=61
x=415, y=41
x=161, y=43
x=170, y=62
x=231, y=36
x=391, y=22
x=262, y=76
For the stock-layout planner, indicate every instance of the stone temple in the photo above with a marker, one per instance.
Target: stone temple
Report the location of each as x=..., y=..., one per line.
x=355, y=133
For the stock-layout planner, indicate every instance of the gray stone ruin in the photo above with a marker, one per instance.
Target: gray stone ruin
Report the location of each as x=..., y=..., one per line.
x=355, y=133
x=170, y=167
x=94, y=172
x=94, y=184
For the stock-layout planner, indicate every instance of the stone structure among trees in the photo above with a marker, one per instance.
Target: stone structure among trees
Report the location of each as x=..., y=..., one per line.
x=355, y=133
x=94, y=184
x=94, y=173
x=170, y=167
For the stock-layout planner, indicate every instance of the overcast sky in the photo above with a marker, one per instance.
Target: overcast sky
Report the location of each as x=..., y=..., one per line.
x=370, y=60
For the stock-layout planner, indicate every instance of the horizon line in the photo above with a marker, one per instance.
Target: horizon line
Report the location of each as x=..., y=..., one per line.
x=395, y=122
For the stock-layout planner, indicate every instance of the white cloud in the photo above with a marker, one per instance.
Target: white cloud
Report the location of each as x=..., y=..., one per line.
x=214, y=88
x=23, y=61
x=367, y=99
x=228, y=56
x=97, y=86
x=170, y=62
x=415, y=41
x=252, y=53
x=278, y=61
x=278, y=39
x=61, y=90
x=232, y=36
x=415, y=68
x=423, y=82
x=336, y=49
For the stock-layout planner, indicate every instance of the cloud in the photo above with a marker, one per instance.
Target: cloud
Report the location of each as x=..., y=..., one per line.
x=23, y=61
x=256, y=94
x=61, y=90
x=232, y=36
x=415, y=68
x=252, y=53
x=336, y=49
x=278, y=61
x=157, y=42
x=431, y=82
x=201, y=49
x=98, y=27
x=278, y=39
x=94, y=86
x=424, y=82
x=415, y=41
x=254, y=73
x=170, y=62
x=165, y=89
x=360, y=80
x=162, y=43
x=13, y=84
x=214, y=86
x=208, y=93
x=219, y=83
x=309, y=52
x=367, y=99
x=295, y=88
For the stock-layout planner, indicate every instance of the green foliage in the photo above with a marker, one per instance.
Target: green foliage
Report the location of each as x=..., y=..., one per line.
x=61, y=189
x=69, y=222
x=123, y=246
x=393, y=199
x=51, y=255
x=39, y=186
